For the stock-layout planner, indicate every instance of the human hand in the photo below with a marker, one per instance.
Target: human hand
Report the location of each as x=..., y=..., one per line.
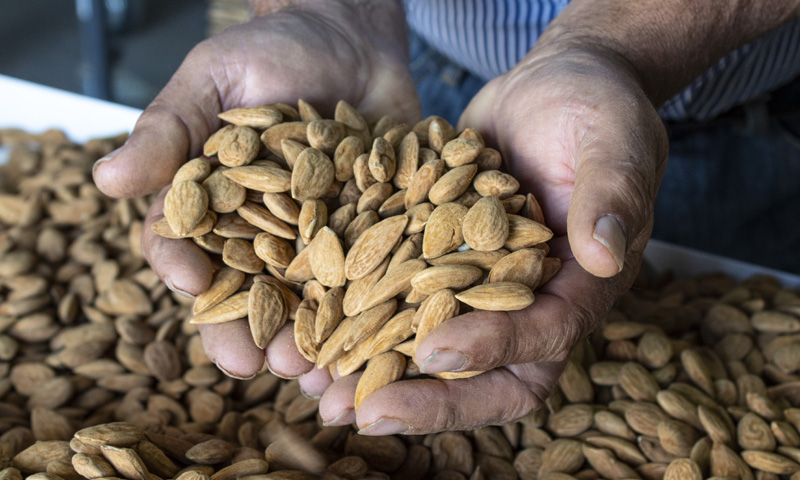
x=577, y=130
x=321, y=51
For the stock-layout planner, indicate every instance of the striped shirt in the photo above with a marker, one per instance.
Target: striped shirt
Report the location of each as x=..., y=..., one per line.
x=488, y=37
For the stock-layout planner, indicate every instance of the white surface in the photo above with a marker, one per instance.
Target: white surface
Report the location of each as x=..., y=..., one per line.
x=36, y=108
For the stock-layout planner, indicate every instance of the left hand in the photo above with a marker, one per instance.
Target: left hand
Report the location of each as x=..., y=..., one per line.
x=578, y=131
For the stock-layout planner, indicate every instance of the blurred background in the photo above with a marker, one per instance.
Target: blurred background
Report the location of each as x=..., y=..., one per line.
x=119, y=50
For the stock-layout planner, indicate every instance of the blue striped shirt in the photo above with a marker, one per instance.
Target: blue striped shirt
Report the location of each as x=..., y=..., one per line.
x=489, y=37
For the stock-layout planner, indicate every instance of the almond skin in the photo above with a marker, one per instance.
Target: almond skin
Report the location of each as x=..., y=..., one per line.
x=485, y=225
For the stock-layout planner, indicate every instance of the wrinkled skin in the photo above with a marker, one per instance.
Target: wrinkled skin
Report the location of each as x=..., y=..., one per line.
x=576, y=130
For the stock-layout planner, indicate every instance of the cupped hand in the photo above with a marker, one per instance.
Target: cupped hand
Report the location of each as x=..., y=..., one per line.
x=579, y=133
x=330, y=51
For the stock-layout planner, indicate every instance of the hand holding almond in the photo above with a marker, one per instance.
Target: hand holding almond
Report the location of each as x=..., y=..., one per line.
x=577, y=130
x=320, y=51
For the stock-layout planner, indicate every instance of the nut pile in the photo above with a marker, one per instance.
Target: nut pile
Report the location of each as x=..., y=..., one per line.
x=102, y=375
x=364, y=236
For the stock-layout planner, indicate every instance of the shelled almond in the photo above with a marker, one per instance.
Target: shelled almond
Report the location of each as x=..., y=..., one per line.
x=103, y=375
x=336, y=201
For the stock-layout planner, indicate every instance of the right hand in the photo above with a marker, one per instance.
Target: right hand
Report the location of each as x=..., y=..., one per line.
x=328, y=51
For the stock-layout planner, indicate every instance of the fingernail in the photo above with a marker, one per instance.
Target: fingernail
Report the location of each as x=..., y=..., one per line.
x=171, y=286
x=336, y=422
x=384, y=426
x=226, y=372
x=309, y=396
x=285, y=377
x=609, y=232
x=104, y=159
x=444, y=360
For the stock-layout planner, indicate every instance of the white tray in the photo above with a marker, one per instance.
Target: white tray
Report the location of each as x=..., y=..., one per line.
x=36, y=108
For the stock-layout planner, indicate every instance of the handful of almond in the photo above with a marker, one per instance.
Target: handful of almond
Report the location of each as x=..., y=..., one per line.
x=364, y=235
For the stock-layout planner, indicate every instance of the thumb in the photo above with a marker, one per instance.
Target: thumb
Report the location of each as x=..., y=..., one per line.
x=169, y=132
x=612, y=201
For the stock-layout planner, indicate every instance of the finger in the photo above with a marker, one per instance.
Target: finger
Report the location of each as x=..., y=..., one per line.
x=479, y=113
x=337, y=404
x=170, y=130
x=283, y=358
x=565, y=310
x=314, y=382
x=432, y=405
x=617, y=174
x=180, y=264
x=232, y=348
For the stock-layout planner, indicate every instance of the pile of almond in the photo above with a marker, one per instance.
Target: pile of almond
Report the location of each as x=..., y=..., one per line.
x=103, y=375
x=363, y=235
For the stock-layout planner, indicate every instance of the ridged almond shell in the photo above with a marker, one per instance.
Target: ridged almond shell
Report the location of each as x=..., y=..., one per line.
x=496, y=183
x=407, y=160
x=382, y=163
x=461, y=151
x=211, y=147
x=357, y=290
x=241, y=255
x=324, y=135
x=224, y=195
x=522, y=266
x=282, y=206
x=273, y=250
x=313, y=217
x=329, y=314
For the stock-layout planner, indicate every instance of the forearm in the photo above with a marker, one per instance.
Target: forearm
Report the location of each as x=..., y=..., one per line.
x=381, y=21
x=668, y=43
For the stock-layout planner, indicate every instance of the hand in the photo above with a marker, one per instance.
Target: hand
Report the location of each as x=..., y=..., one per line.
x=577, y=130
x=330, y=50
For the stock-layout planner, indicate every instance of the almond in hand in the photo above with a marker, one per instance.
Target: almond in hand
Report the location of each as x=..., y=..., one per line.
x=485, y=225
x=185, y=206
x=502, y=296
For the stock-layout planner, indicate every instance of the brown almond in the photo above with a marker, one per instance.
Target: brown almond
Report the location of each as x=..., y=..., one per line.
x=224, y=195
x=312, y=175
x=239, y=147
x=254, y=117
x=273, y=136
x=523, y=266
x=195, y=170
x=263, y=178
x=452, y=184
x=232, y=308
x=497, y=183
x=501, y=296
x=325, y=135
x=266, y=312
x=327, y=259
x=313, y=217
x=374, y=196
x=373, y=246
x=443, y=232
x=358, y=289
x=382, y=163
x=454, y=277
x=329, y=314
x=407, y=160
x=461, y=151
x=422, y=181
x=341, y=218
x=523, y=232
x=261, y=217
x=395, y=281
x=211, y=147
x=185, y=205
x=241, y=255
x=381, y=370
x=273, y=250
x=345, y=156
x=282, y=206
x=439, y=133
